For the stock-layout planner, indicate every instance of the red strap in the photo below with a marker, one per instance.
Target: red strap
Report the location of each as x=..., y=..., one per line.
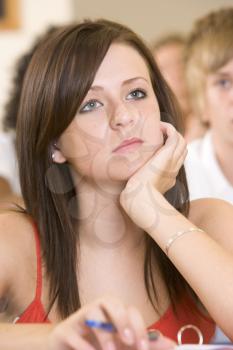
x=39, y=264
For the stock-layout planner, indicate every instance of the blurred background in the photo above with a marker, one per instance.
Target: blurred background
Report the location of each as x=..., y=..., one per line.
x=21, y=21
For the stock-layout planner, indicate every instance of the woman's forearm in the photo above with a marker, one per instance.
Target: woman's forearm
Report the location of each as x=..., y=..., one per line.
x=24, y=336
x=205, y=264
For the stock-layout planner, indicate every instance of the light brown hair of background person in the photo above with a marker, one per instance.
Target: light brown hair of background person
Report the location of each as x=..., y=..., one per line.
x=209, y=47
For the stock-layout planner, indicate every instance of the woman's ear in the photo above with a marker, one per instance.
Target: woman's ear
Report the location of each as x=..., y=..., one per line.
x=57, y=155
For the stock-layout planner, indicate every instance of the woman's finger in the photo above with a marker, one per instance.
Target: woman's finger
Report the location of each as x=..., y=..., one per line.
x=105, y=338
x=162, y=343
x=118, y=315
x=170, y=134
x=68, y=336
x=139, y=327
x=181, y=160
x=75, y=342
x=181, y=146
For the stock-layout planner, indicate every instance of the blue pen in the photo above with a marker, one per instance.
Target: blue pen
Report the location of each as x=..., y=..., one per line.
x=109, y=327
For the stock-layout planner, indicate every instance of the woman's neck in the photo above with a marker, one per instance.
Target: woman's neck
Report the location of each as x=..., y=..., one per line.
x=103, y=224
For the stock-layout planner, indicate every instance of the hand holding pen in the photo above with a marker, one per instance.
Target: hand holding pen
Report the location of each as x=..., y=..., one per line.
x=106, y=325
x=155, y=338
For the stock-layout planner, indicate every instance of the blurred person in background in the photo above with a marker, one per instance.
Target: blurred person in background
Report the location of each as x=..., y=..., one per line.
x=9, y=180
x=169, y=55
x=209, y=164
x=210, y=79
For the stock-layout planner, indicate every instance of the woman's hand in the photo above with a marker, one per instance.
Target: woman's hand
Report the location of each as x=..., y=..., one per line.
x=158, y=175
x=72, y=333
x=161, y=170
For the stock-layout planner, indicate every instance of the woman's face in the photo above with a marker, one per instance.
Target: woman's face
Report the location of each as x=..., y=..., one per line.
x=218, y=106
x=117, y=127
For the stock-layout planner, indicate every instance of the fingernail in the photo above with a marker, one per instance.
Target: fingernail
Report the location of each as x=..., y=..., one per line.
x=110, y=346
x=153, y=335
x=143, y=345
x=128, y=335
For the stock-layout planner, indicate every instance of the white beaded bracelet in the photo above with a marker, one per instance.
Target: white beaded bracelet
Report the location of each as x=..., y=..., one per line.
x=178, y=235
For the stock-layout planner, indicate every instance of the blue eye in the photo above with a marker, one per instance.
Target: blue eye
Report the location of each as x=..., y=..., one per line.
x=136, y=95
x=224, y=83
x=89, y=106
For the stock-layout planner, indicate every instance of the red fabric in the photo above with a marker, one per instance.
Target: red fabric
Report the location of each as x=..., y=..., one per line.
x=169, y=324
x=187, y=313
x=35, y=312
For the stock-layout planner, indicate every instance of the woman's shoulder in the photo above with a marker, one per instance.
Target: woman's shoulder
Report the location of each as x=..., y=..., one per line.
x=16, y=239
x=14, y=222
x=215, y=216
x=203, y=208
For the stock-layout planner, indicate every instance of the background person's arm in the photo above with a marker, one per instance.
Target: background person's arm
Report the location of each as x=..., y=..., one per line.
x=7, y=196
x=5, y=188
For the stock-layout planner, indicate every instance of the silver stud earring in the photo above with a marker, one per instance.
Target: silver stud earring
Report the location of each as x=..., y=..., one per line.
x=53, y=153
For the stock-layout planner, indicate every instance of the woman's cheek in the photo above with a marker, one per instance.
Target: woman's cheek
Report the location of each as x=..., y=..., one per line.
x=73, y=146
x=152, y=132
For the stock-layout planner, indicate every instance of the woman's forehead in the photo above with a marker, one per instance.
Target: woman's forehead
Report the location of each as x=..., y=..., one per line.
x=121, y=62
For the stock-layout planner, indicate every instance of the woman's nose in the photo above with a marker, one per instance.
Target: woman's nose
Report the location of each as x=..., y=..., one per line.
x=122, y=116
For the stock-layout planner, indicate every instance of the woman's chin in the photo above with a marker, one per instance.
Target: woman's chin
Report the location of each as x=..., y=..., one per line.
x=123, y=168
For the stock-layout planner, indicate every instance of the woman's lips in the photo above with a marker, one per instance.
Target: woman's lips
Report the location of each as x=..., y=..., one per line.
x=128, y=145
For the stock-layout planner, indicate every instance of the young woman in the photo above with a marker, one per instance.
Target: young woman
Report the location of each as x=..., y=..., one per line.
x=101, y=169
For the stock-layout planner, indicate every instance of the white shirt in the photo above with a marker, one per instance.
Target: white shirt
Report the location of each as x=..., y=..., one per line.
x=204, y=175
x=8, y=161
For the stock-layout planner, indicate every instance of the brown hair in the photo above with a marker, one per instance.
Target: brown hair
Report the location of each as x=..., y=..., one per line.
x=57, y=80
x=209, y=47
x=12, y=104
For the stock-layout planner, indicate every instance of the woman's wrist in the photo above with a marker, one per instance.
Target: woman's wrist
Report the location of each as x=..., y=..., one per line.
x=168, y=221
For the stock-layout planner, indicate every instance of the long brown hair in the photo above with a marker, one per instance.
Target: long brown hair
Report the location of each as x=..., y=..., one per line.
x=57, y=80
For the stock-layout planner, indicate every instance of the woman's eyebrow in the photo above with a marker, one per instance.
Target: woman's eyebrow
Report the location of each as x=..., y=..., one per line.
x=126, y=82
x=223, y=73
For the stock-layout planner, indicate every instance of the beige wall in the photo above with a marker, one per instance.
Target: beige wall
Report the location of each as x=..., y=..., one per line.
x=150, y=18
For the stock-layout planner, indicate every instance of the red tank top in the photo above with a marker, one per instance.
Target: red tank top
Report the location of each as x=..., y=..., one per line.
x=35, y=312
x=169, y=324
